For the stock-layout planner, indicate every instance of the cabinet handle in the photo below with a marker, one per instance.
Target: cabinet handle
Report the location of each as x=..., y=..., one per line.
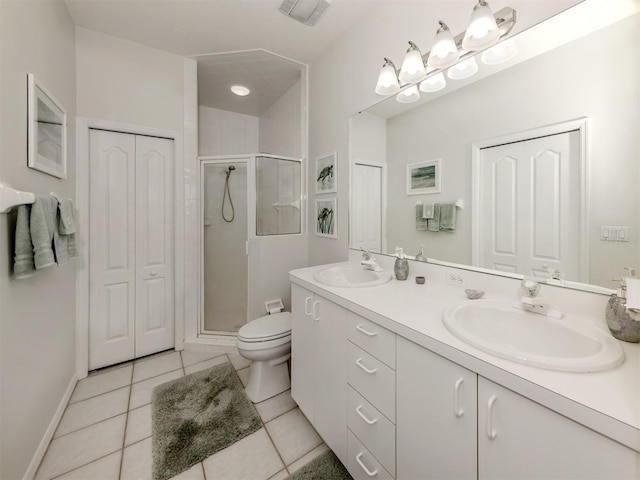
x=491, y=433
x=363, y=416
x=367, y=370
x=456, y=398
x=315, y=311
x=366, y=332
x=366, y=470
x=307, y=310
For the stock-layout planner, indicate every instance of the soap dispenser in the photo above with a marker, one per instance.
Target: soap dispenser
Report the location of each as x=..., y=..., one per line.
x=401, y=267
x=620, y=321
x=420, y=256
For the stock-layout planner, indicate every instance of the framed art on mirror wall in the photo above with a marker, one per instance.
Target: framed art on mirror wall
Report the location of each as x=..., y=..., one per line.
x=424, y=177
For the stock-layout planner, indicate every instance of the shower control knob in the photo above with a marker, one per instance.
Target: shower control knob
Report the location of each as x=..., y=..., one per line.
x=153, y=273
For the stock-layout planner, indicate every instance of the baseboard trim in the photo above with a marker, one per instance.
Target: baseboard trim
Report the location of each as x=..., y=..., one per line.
x=51, y=430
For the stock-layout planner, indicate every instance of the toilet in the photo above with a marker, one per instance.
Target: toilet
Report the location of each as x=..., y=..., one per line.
x=266, y=341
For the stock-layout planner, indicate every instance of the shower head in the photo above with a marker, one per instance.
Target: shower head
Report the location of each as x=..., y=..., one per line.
x=230, y=169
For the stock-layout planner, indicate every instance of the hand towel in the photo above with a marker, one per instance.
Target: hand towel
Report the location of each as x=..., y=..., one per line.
x=41, y=223
x=23, y=266
x=448, y=212
x=64, y=244
x=66, y=220
x=421, y=223
x=433, y=224
x=427, y=210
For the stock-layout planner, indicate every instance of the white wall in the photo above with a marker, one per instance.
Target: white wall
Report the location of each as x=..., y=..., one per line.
x=37, y=315
x=280, y=125
x=342, y=81
x=221, y=132
x=128, y=82
x=558, y=86
x=368, y=138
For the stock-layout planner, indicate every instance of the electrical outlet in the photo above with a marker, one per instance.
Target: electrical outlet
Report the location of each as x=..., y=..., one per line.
x=455, y=278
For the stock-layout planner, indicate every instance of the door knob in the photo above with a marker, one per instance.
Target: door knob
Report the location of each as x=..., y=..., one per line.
x=153, y=273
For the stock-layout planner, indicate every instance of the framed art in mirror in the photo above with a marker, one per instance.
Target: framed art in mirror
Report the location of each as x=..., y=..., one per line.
x=326, y=212
x=424, y=177
x=46, y=131
x=327, y=173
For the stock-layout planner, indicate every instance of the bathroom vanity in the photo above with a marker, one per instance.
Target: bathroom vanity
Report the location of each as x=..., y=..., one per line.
x=395, y=395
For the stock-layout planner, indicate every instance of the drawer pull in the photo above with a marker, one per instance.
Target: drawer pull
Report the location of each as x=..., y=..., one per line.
x=491, y=433
x=366, y=470
x=370, y=371
x=315, y=311
x=307, y=309
x=364, y=417
x=360, y=328
x=456, y=398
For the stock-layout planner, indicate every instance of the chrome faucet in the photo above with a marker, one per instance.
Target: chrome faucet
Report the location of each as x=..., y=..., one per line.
x=369, y=262
x=366, y=254
x=532, y=303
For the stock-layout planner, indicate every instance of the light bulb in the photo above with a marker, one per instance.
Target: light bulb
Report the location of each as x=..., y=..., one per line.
x=240, y=90
x=387, y=79
x=409, y=95
x=502, y=52
x=482, y=31
x=412, y=68
x=444, y=52
x=433, y=83
x=463, y=70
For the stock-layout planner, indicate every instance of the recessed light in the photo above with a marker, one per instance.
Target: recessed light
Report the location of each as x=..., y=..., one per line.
x=240, y=90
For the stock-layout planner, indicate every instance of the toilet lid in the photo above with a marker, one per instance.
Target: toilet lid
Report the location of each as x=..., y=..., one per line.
x=275, y=325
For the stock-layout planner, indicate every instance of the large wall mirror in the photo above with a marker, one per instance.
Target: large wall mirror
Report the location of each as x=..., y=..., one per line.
x=542, y=152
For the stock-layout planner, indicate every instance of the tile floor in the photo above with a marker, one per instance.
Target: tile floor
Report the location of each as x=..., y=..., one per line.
x=105, y=433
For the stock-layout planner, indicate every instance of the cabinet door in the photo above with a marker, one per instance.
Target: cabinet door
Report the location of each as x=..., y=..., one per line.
x=331, y=375
x=303, y=349
x=518, y=438
x=436, y=416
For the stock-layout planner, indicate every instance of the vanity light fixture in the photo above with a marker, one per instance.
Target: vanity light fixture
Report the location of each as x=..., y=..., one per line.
x=388, y=79
x=413, y=68
x=409, y=95
x=444, y=52
x=483, y=30
x=462, y=70
x=480, y=35
x=500, y=53
x=433, y=83
x=240, y=90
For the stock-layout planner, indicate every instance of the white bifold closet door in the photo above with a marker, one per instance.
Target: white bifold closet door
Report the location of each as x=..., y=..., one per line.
x=131, y=249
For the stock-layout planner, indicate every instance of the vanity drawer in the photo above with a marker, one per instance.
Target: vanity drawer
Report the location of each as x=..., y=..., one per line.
x=372, y=338
x=362, y=465
x=373, y=429
x=372, y=379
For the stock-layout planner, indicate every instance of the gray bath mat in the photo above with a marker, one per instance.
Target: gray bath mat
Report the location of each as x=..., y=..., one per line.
x=323, y=467
x=197, y=416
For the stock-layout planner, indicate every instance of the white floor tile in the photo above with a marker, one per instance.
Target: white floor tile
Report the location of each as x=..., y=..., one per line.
x=253, y=457
x=206, y=364
x=156, y=365
x=138, y=425
x=301, y=462
x=281, y=475
x=244, y=376
x=136, y=461
x=275, y=406
x=189, y=357
x=293, y=435
x=106, y=468
x=238, y=361
x=101, y=383
x=141, y=391
x=93, y=410
x=83, y=446
x=194, y=473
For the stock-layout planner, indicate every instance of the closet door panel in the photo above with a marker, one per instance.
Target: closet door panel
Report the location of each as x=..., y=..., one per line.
x=154, y=245
x=112, y=252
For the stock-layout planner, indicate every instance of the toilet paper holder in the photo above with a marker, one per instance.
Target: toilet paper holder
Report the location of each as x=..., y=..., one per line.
x=274, y=306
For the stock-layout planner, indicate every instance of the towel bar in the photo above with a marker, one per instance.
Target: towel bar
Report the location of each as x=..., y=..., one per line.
x=10, y=197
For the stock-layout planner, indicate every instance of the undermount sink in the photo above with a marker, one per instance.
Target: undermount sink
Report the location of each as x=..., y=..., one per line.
x=351, y=276
x=501, y=329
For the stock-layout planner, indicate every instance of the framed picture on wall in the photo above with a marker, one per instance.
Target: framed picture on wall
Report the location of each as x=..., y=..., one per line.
x=327, y=173
x=46, y=131
x=326, y=218
x=424, y=177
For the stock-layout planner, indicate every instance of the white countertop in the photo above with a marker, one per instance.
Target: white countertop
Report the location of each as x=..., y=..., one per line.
x=606, y=401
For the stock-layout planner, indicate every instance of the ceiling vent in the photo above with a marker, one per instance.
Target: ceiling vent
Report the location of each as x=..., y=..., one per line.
x=308, y=12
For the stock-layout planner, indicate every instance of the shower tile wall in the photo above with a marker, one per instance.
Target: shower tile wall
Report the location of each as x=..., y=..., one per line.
x=226, y=133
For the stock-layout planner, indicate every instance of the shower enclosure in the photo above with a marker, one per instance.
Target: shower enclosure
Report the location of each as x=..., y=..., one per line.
x=251, y=212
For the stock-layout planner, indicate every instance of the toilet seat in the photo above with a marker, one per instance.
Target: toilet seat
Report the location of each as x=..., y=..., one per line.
x=267, y=329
